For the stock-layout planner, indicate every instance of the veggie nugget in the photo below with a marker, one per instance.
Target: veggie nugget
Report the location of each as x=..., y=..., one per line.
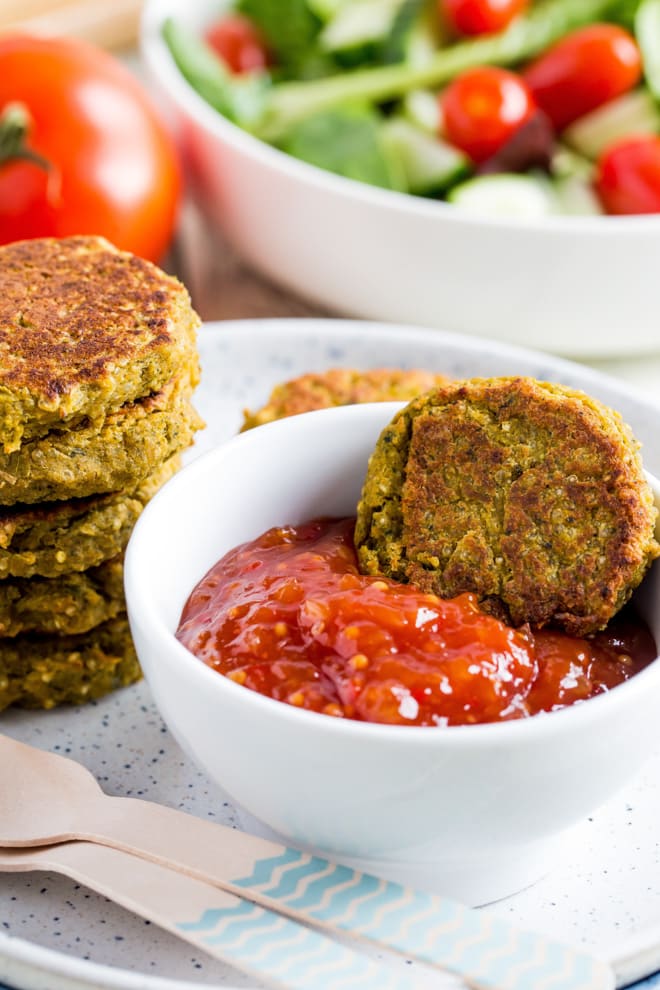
x=107, y=455
x=84, y=329
x=45, y=671
x=62, y=537
x=67, y=605
x=341, y=387
x=529, y=494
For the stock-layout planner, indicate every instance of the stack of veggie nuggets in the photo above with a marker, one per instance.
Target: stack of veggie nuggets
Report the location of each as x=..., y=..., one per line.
x=98, y=363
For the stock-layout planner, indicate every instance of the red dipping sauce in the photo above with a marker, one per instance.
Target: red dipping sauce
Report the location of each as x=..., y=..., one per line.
x=289, y=615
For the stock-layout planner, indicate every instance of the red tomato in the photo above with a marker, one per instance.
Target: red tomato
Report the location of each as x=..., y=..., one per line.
x=584, y=70
x=113, y=170
x=480, y=16
x=628, y=176
x=238, y=43
x=482, y=108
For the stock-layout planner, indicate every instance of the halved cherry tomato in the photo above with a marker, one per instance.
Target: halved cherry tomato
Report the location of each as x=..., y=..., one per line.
x=628, y=176
x=238, y=43
x=584, y=70
x=482, y=108
x=480, y=16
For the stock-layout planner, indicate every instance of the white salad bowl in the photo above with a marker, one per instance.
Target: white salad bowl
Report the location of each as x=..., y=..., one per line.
x=477, y=811
x=581, y=286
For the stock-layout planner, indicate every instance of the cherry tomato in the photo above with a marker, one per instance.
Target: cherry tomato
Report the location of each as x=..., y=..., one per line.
x=480, y=16
x=104, y=162
x=584, y=70
x=238, y=43
x=628, y=176
x=482, y=108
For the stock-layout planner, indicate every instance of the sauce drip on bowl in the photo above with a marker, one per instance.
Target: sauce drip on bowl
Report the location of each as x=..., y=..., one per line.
x=289, y=615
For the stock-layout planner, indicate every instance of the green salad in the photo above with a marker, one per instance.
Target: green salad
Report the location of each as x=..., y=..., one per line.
x=501, y=107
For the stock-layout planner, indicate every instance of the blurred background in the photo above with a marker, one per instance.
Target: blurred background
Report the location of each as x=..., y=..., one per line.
x=222, y=286
x=113, y=25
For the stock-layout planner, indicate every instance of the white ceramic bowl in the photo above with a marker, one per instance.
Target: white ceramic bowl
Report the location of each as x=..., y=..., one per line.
x=574, y=285
x=472, y=811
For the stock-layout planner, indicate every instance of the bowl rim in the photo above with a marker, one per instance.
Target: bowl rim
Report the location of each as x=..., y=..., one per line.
x=160, y=63
x=144, y=612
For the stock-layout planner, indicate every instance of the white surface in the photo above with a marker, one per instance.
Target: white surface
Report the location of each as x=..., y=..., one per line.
x=573, y=285
x=604, y=891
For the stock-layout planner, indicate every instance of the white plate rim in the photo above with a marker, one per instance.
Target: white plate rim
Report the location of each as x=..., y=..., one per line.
x=299, y=326
x=30, y=963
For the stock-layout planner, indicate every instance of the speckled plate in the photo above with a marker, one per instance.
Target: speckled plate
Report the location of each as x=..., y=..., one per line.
x=606, y=891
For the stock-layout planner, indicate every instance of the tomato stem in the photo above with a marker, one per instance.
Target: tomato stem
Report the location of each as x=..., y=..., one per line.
x=15, y=124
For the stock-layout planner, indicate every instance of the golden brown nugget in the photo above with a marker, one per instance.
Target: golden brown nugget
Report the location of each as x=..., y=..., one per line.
x=530, y=495
x=60, y=537
x=45, y=671
x=84, y=329
x=103, y=456
x=341, y=387
x=66, y=605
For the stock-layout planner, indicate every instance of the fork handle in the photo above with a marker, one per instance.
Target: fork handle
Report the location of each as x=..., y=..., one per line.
x=485, y=952
x=251, y=938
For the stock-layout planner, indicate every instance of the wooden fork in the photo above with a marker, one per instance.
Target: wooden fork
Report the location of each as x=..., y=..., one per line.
x=47, y=799
x=239, y=932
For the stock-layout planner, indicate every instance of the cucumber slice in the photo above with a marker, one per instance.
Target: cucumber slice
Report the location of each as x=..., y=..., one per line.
x=421, y=45
x=567, y=163
x=422, y=109
x=506, y=195
x=395, y=48
x=430, y=165
x=647, y=31
x=577, y=197
x=325, y=10
x=425, y=37
x=358, y=25
x=631, y=114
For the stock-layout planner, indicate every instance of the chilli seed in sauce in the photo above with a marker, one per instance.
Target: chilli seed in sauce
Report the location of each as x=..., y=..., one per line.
x=290, y=616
